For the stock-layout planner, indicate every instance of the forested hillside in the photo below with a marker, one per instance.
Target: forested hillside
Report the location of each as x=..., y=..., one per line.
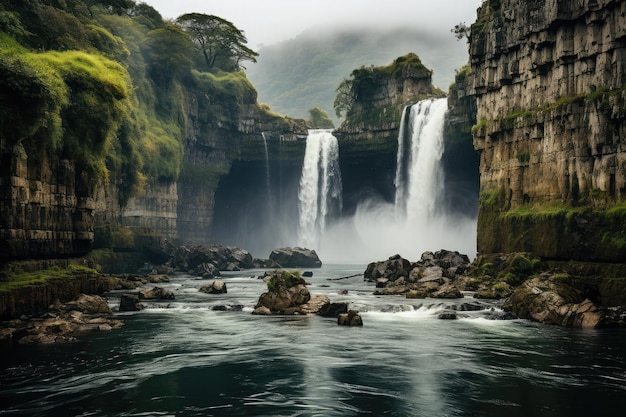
x=101, y=83
x=102, y=101
x=295, y=75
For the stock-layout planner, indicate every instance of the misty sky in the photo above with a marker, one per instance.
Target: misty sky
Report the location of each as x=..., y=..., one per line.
x=266, y=22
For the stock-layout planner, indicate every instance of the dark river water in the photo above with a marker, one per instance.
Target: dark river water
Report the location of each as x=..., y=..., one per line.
x=182, y=358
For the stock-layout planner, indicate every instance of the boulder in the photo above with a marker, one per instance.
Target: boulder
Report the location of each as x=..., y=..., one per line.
x=295, y=258
x=447, y=315
x=448, y=291
x=286, y=290
x=434, y=275
x=157, y=293
x=333, y=309
x=222, y=257
x=546, y=300
x=89, y=304
x=391, y=269
x=130, y=302
x=206, y=270
x=216, y=287
x=262, y=311
x=313, y=306
x=351, y=318
x=62, y=322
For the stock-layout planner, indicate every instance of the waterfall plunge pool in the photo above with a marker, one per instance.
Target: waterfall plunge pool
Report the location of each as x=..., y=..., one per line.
x=183, y=358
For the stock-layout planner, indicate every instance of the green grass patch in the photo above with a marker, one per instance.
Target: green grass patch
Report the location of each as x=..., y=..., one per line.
x=491, y=197
x=538, y=210
x=14, y=280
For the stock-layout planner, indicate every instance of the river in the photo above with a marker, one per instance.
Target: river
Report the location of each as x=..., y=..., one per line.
x=206, y=355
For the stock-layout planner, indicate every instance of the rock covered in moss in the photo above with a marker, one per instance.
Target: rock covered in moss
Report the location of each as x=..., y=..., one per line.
x=285, y=291
x=547, y=300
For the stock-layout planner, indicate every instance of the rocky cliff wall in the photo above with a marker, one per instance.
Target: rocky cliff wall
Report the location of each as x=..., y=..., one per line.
x=549, y=81
x=46, y=208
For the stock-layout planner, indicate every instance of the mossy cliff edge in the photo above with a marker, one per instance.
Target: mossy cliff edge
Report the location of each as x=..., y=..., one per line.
x=110, y=121
x=549, y=80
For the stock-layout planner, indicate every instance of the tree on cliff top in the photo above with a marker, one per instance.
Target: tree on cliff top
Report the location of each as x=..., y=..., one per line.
x=222, y=45
x=318, y=119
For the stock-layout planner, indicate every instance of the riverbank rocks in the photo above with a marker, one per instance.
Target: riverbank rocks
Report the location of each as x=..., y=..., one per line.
x=223, y=258
x=295, y=258
x=547, y=299
x=216, y=287
x=435, y=275
x=63, y=322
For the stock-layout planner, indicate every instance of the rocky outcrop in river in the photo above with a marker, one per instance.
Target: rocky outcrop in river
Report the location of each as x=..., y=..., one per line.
x=436, y=275
x=63, y=322
x=295, y=258
x=198, y=259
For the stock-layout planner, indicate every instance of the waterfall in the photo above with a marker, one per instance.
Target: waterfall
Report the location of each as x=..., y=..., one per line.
x=320, y=190
x=268, y=182
x=419, y=177
x=415, y=221
x=401, y=163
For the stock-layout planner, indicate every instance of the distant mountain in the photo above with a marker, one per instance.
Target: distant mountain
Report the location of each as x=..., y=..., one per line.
x=295, y=75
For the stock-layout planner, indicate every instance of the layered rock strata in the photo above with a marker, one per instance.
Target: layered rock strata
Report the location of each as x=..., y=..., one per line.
x=549, y=79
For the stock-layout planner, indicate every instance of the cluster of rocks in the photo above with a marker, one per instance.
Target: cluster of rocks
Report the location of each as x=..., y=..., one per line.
x=288, y=295
x=436, y=275
x=63, y=322
x=208, y=260
x=548, y=298
x=294, y=258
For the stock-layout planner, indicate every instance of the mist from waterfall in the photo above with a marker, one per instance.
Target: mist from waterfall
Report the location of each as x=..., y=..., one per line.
x=319, y=197
x=416, y=221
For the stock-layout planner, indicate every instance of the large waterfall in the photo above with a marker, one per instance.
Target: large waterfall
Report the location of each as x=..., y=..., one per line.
x=415, y=221
x=320, y=191
x=419, y=177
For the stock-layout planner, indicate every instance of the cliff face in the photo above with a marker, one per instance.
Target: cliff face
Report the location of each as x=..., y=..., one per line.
x=373, y=99
x=45, y=209
x=549, y=80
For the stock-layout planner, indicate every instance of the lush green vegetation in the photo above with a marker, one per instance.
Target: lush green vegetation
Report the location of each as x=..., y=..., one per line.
x=318, y=119
x=20, y=278
x=294, y=75
x=283, y=278
x=366, y=83
x=105, y=84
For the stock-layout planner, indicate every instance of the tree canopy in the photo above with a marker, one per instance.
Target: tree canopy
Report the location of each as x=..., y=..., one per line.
x=221, y=44
x=318, y=119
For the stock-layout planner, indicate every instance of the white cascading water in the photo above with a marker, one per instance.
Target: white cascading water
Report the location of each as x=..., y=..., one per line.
x=268, y=182
x=419, y=191
x=319, y=196
x=413, y=223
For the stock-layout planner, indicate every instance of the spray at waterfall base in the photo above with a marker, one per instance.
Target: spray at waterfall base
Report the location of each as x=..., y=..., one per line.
x=415, y=222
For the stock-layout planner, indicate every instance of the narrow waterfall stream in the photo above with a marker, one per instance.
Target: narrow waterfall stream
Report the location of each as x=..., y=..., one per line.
x=320, y=191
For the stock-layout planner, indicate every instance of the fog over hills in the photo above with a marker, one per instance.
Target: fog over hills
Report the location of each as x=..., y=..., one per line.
x=295, y=75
